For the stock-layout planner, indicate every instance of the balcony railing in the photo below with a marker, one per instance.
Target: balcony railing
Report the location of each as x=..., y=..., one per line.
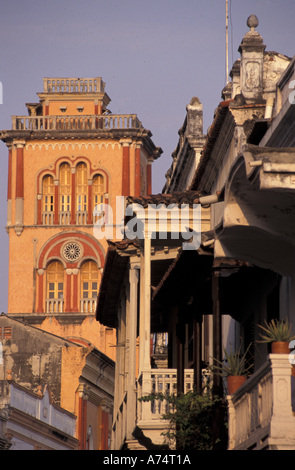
x=65, y=218
x=73, y=85
x=88, y=305
x=54, y=306
x=48, y=218
x=81, y=217
x=149, y=414
x=74, y=122
x=163, y=381
x=260, y=412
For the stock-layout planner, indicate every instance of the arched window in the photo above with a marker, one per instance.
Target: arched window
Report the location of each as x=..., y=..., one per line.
x=98, y=188
x=55, y=287
x=81, y=193
x=48, y=200
x=89, y=286
x=65, y=194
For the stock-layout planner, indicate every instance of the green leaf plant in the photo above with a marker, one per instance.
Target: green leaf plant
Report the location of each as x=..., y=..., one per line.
x=276, y=330
x=191, y=418
x=234, y=363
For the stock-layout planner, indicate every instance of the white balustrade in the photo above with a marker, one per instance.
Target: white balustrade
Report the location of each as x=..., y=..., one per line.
x=260, y=411
x=47, y=218
x=73, y=85
x=160, y=381
x=65, y=218
x=75, y=122
x=150, y=413
x=54, y=305
x=88, y=305
x=81, y=217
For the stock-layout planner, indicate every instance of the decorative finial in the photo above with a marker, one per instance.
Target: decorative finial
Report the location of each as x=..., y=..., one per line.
x=252, y=22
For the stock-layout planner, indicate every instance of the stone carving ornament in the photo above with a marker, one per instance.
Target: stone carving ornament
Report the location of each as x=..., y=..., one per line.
x=72, y=251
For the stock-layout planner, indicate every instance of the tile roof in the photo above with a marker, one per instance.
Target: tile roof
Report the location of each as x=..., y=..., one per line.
x=184, y=197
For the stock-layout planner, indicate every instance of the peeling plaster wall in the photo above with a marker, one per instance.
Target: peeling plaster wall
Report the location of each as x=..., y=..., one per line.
x=34, y=357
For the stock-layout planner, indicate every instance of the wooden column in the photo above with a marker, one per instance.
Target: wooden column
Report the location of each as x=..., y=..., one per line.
x=145, y=325
x=132, y=336
x=217, y=389
x=197, y=336
x=217, y=329
x=147, y=303
x=180, y=337
x=145, y=307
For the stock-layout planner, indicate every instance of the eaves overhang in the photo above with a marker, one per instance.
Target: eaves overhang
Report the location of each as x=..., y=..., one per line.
x=140, y=135
x=113, y=278
x=258, y=222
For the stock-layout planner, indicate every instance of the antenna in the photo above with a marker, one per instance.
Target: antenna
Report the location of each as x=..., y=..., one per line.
x=226, y=39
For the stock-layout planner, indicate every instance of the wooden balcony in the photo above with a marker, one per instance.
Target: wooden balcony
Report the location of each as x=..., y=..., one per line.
x=148, y=416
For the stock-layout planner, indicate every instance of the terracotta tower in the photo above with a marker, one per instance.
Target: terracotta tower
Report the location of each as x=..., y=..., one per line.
x=68, y=155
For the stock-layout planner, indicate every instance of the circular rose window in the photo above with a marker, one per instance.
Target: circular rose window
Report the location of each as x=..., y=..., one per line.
x=72, y=251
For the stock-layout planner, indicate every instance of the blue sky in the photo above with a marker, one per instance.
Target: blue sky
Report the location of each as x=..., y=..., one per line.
x=154, y=57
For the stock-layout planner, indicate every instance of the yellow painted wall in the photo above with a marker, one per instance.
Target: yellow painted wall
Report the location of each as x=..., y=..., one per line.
x=73, y=361
x=24, y=249
x=71, y=107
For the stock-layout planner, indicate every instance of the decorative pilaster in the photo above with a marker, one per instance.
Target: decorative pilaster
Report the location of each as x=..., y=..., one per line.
x=40, y=307
x=9, y=184
x=83, y=391
x=68, y=290
x=137, y=185
x=39, y=209
x=56, y=202
x=252, y=51
x=149, y=176
x=19, y=187
x=46, y=108
x=73, y=197
x=126, y=167
x=75, y=290
x=71, y=301
x=89, y=208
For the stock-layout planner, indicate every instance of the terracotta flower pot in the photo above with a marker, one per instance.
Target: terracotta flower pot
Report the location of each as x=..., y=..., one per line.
x=234, y=382
x=280, y=347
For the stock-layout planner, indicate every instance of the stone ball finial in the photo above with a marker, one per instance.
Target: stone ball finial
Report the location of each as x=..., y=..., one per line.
x=252, y=21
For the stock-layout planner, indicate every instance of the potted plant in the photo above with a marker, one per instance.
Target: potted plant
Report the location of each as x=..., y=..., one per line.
x=234, y=367
x=279, y=334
